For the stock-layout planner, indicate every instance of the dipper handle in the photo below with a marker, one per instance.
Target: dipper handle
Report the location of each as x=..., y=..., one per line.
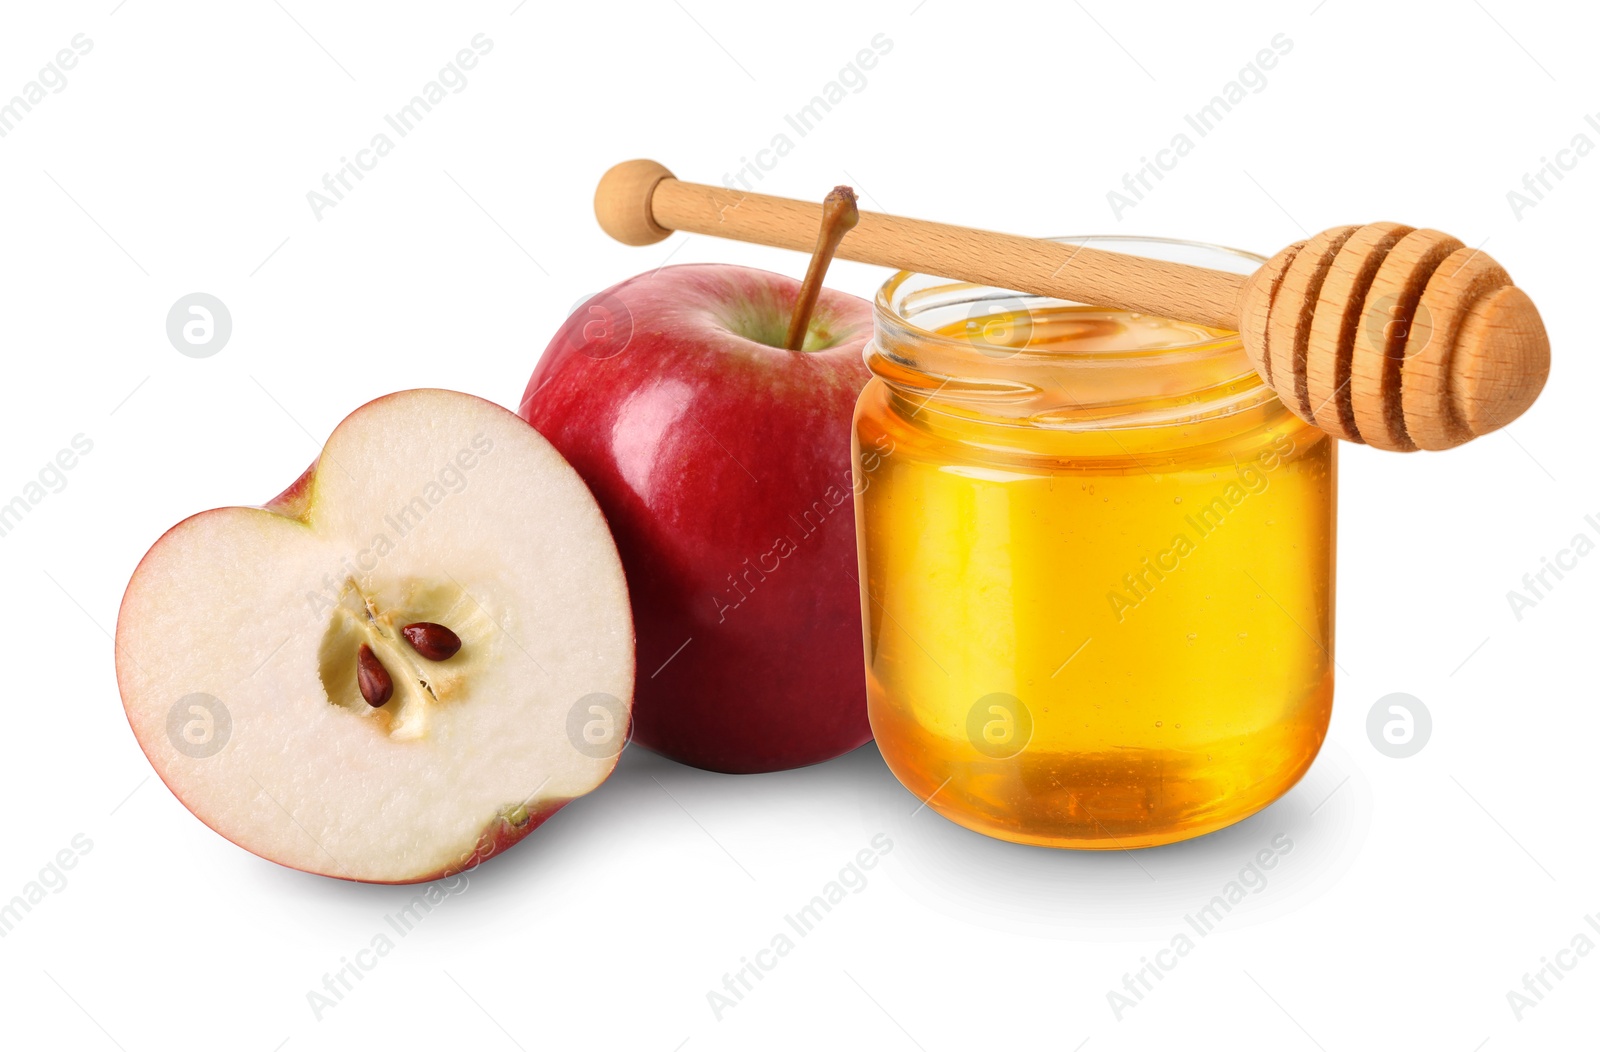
x=1401, y=338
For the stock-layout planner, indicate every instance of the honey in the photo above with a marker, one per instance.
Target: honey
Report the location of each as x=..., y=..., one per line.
x=1097, y=562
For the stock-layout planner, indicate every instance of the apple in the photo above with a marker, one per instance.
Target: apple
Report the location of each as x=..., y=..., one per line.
x=401, y=665
x=723, y=464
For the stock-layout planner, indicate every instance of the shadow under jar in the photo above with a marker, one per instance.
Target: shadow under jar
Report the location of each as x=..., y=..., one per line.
x=1097, y=563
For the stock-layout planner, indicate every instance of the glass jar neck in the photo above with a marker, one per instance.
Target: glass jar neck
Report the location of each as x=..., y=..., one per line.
x=974, y=351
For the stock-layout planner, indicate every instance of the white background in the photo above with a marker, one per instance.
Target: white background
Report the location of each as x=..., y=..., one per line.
x=178, y=158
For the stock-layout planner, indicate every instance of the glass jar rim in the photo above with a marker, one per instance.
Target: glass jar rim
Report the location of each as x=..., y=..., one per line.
x=1137, y=385
x=1213, y=255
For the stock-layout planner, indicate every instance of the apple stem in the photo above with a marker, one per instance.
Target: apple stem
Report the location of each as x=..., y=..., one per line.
x=839, y=216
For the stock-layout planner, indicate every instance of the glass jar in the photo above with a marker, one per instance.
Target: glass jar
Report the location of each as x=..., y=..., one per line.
x=1097, y=563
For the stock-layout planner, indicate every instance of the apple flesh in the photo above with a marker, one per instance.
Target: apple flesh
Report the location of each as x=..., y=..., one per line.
x=247, y=637
x=722, y=462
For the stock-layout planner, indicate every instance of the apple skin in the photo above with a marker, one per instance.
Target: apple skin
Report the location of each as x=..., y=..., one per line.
x=723, y=464
x=495, y=838
x=295, y=502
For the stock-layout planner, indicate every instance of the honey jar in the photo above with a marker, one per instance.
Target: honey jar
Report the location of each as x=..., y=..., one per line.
x=1097, y=564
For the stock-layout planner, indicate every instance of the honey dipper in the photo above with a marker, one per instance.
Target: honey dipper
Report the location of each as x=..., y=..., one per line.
x=1400, y=338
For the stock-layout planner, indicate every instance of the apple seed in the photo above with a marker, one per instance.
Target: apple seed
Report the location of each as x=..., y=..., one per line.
x=432, y=641
x=372, y=677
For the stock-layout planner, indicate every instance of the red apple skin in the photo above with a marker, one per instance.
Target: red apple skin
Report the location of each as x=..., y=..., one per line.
x=723, y=464
x=495, y=838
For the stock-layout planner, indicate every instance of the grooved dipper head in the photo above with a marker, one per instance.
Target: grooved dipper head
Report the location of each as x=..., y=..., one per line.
x=1404, y=339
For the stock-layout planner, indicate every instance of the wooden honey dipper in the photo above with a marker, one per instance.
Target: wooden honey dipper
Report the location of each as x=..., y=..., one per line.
x=1404, y=339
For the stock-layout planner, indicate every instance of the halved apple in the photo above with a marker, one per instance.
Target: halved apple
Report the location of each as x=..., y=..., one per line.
x=400, y=666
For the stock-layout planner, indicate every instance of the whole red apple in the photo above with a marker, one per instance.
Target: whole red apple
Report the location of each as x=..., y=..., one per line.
x=722, y=462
